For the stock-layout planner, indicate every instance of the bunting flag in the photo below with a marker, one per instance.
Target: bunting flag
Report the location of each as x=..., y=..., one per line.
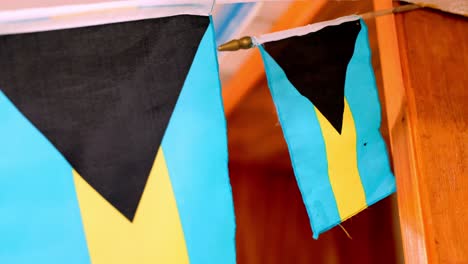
x=322, y=83
x=113, y=143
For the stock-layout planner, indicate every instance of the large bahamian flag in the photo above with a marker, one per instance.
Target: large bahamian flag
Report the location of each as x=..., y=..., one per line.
x=113, y=141
x=323, y=86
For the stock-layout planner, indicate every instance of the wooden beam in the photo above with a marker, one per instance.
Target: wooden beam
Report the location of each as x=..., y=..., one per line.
x=251, y=71
x=401, y=124
x=435, y=82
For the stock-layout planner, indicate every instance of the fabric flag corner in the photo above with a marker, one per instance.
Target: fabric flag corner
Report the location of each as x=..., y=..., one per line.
x=323, y=86
x=113, y=138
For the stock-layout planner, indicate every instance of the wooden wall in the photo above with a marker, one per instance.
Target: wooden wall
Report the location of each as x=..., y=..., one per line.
x=273, y=227
x=434, y=57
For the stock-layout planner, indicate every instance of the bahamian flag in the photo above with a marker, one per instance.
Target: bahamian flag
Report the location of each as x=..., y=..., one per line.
x=113, y=143
x=323, y=86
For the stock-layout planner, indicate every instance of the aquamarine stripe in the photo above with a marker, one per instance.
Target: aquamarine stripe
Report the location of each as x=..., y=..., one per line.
x=306, y=146
x=361, y=93
x=40, y=221
x=195, y=147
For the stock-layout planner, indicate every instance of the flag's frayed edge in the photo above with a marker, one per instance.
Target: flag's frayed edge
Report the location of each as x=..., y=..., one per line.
x=301, y=31
x=73, y=16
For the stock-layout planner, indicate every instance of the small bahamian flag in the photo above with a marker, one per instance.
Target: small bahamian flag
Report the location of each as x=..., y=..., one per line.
x=322, y=83
x=113, y=143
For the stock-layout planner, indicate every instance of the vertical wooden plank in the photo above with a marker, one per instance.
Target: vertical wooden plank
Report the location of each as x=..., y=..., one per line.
x=400, y=122
x=424, y=56
x=434, y=57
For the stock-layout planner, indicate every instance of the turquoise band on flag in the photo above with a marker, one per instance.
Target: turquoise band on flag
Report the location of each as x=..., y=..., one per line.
x=308, y=158
x=195, y=147
x=40, y=218
x=361, y=94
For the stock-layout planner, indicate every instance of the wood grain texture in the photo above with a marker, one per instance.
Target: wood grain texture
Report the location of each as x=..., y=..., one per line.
x=401, y=140
x=434, y=53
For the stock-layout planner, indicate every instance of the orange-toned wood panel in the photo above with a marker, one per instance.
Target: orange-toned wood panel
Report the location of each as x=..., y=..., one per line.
x=411, y=217
x=273, y=227
x=434, y=54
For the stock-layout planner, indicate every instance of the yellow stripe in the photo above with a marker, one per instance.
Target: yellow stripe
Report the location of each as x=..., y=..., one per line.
x=154, y=236
x=342, y=165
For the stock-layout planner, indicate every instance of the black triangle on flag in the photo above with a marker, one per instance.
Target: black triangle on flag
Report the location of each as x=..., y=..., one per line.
x=316, y=65
x=103, y=95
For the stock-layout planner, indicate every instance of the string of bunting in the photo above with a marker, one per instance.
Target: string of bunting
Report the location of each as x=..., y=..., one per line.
x=248, y=42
